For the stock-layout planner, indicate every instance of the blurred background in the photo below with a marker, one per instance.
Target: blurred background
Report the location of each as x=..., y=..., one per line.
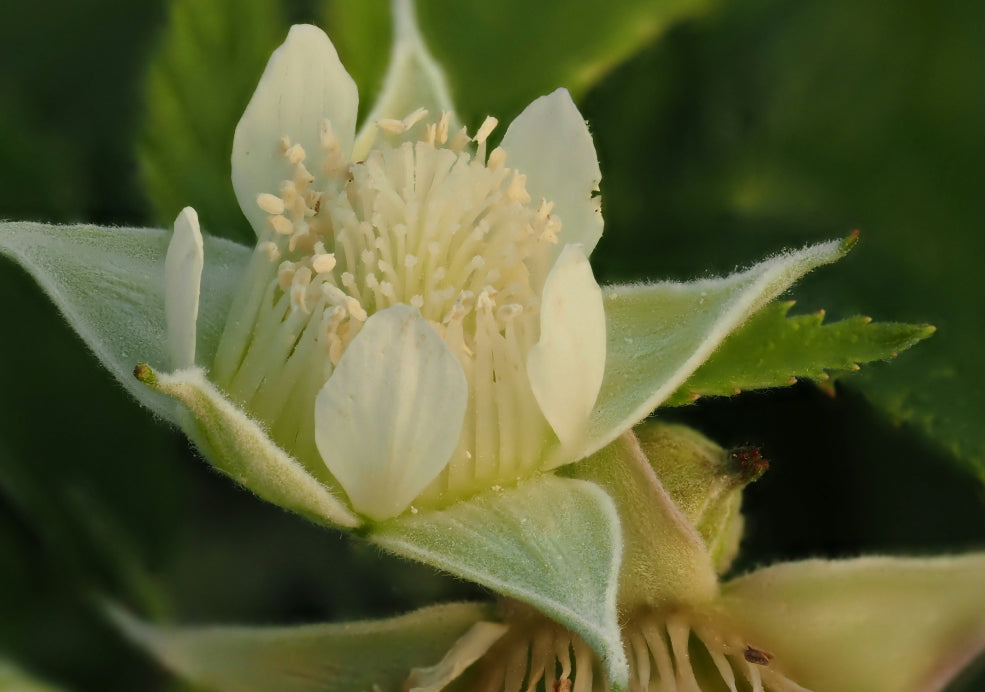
x=726, y=132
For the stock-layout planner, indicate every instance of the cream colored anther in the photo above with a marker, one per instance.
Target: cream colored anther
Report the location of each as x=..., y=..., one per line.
x=271, y=204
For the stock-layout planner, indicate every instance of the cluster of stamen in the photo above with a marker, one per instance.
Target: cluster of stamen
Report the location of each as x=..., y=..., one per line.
x=667, y=652
x=537, y=654
x=685, y=652
x=424, y=220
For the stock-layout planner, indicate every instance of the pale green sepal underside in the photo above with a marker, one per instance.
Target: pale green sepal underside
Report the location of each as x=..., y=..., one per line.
x=413, y=80
x=551, y=542
x=658, y=334
x=867, y=625
x=239, y=447
x=109, y=285
x=346, y=657
x=773, y=350
x=665, y=560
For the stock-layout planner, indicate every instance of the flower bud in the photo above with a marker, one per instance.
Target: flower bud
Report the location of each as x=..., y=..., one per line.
x=705, y=482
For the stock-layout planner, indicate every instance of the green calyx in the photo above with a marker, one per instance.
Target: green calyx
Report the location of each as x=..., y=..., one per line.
x=705, y=482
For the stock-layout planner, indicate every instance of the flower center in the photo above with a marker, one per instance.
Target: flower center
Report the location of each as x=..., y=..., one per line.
x=424, y=221
x=676, y=651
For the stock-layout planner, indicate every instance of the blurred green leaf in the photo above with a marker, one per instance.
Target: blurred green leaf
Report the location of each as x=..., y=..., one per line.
x=773, y=349
x=208, y=63
x=499, y=56
x=773, y=124
x=14, y=679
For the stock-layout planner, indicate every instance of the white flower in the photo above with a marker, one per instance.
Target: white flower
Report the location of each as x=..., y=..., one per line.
x=419, y=316
x=416, y=340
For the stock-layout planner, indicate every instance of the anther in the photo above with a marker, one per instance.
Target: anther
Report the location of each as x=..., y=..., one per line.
x=488, y=125
x=285, y=275
x=323, y=263
x=516, y=190
x=497, y=157
x=269, y=203
x=355, y=309
x=391, y=126
x=269, y=249
x=295, y=154
x=414, y=118
x=442, y=130
x=281, y=225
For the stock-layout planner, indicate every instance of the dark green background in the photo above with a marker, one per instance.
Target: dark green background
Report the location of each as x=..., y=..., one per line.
x=747, y=128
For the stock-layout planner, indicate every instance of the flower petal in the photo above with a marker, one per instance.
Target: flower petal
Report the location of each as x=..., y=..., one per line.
x=553, y=543
x=665, y=560
x=390, y=416
x=866, y=625
x=304, y=84
x=566, y=365
x=182, y=285
x=413, y=80
x=658, y=334
x=309, y=658
x=239, y=447
x=549, y=142
x=109, y=284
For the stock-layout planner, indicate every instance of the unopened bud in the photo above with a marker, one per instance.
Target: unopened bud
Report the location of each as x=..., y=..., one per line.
x=705, y=481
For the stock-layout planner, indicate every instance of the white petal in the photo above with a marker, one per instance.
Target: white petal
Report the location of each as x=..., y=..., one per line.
x=413, y=79
x=549, y=142
x=566, y=366
x=390, y=416
x=304, y=84
x=182, y=286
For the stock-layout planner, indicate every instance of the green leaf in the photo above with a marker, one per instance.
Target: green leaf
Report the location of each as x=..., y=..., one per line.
x=109, y=284
x=499, y=56
x=754, y=129
x=551, y=542
x=349, y=657
x=198, y=84
x=774, y=350
x=658, y=334
x=14, y=679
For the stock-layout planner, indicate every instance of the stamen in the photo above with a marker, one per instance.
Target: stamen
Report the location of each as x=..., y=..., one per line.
x=269, y=203
x=426, y=220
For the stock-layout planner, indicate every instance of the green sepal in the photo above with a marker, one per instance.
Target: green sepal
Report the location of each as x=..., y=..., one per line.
x=873, y=624
x=658, y=334
x=553, y=543
x=773, y=349
x=109, y=284
x=346, y=657
x=239, y=447
x=413, y=79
